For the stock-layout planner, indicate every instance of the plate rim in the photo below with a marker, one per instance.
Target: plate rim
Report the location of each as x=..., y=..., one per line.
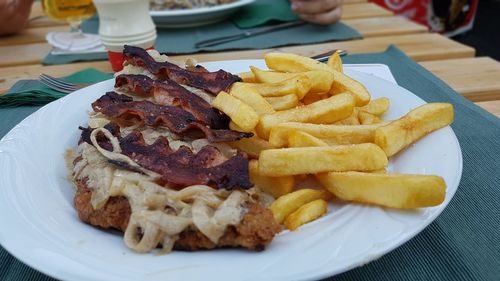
x=53, y=271
x=198, y=11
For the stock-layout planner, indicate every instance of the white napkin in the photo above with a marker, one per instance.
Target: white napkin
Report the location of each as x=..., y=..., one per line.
x=69, y=43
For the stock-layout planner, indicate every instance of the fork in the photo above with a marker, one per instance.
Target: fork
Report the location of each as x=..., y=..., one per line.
x=325, y=56
x=60, y=85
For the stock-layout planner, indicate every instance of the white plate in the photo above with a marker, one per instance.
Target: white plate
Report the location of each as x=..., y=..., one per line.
x=196, y=16
x=40, y=226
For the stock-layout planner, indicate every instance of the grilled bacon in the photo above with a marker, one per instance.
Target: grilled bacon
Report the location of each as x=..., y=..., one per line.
x=123, y=109
x=181, y=167
x=170, y=93
x=212, y=82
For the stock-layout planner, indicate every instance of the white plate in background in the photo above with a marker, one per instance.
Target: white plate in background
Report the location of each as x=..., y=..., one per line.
x=197, y=16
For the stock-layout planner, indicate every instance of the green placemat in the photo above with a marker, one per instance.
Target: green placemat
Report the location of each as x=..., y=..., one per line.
x=33, y=92
x=463, y=243
x=64, y=59
x=264, y=11
x=183, y=40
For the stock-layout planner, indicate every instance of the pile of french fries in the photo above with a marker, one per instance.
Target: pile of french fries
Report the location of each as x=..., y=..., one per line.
x=309, y=118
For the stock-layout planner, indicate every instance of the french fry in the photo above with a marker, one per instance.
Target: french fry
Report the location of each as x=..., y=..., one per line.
x=337, y=134
x=251, y=146
x=276, y=186
x=306, y=213
x=235, y=127
x=381, y=171
x=247, y=77
x=240, y=113
x=396, y=191
x=250, y=96
x=289, y=203
x=313, y=160
x=324, y=111
x=298, y=85
x=287, y=62
x=295, y=63
x=377, y=106
x=419, y=122
x=366, y=118
x=284, y=102
x=335, y=62
x=344, y=83
x=302, y=139
x=351, y=120
x=314, y=97
x=321, y=81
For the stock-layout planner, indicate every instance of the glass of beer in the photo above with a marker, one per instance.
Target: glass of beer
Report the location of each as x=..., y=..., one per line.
x=74, y=12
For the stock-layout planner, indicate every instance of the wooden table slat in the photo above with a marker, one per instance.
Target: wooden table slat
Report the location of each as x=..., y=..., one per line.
x=364, y=10
x=491, y=106
x=478, y=79
x=30, y=35
x=383, y=26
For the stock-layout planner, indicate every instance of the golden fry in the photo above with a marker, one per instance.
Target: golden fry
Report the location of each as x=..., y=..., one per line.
x=289, y=203
x=324, y=111
x=351, y=120
x=366, y=118
x=344, y=83
x=276, y=186
x=295, y=63
x=250, y=96
x=306, y=213
x=314, y=97
x=240, y=113
x=284, y=102
x=377, y=107
x=313, y=160
x=302, y=139
x=419, y=122
x=251, y=146
x=286, y=62
x=336, y=134
x=321, y=81
x=298, y=85
x=396, y=191
x=335, y=62
x=247, y=77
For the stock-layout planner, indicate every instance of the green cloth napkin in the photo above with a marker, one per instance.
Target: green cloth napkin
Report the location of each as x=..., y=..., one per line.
x=34, y=92
x=183, y=40
x=461, y=244
x=263, y=11
x=51, y=59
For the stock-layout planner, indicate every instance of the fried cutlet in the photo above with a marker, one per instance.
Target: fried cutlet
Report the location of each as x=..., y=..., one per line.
x=255, y=231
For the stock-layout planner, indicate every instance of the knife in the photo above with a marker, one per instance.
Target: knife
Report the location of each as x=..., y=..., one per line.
x=246, y=34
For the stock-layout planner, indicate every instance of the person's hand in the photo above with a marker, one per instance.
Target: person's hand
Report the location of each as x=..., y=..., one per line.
x=318, y=11
x=14, y=15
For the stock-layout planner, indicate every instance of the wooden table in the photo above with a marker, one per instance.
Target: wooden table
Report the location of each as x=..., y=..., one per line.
x=476, y=78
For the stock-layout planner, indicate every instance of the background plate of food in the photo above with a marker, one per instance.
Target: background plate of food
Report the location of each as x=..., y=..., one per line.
x=42, y=227
x=190, y=13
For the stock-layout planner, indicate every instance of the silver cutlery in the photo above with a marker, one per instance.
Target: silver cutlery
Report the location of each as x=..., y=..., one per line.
x=248, y=33
x=60, y=85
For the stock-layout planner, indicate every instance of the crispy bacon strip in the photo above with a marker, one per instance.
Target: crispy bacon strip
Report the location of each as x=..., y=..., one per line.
x=170, y=93
x=123, y=109
x=182, y=167
x=212, y=82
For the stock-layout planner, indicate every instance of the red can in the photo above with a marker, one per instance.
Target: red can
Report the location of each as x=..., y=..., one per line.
x=449, y=17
